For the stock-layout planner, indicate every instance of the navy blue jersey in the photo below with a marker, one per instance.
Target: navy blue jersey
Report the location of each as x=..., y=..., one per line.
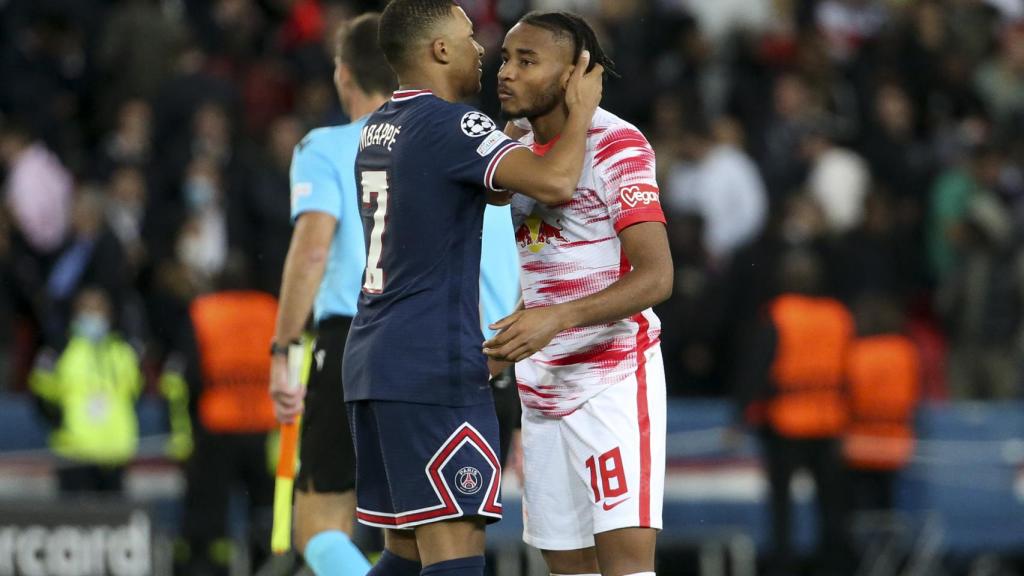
x=422, y=170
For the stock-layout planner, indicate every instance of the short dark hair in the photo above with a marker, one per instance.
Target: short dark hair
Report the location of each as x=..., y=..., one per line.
x=358, y=49
x=404, y=22
x=571, y=26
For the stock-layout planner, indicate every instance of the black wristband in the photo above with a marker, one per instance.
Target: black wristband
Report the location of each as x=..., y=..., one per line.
x=282, y=349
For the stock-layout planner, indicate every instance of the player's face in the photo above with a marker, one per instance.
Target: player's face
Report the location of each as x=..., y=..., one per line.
x=536, y=65
x=466, y=54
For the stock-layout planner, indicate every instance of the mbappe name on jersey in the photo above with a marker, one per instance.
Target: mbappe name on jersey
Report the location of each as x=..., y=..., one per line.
x=383, y=134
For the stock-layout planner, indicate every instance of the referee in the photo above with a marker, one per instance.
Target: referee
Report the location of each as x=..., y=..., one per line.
x=324, y=272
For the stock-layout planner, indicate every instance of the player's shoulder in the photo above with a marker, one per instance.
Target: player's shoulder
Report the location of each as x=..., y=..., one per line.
x=454, y=108
x=327, y=138
x=607, y=127
x=458, y=119
x=425, y=106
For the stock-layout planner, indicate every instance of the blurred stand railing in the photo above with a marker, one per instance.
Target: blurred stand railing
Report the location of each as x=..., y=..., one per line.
x=962, y=495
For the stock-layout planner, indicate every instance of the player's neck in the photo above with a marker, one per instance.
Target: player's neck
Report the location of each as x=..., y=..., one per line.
x=547, y=127
x=427, y=81
x=363, y=104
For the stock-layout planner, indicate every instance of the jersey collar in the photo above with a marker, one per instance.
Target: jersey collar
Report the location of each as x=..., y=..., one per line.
x=542, y=149
x=403, y=95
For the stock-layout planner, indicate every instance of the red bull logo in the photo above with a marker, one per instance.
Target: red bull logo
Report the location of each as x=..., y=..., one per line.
x=535, y=233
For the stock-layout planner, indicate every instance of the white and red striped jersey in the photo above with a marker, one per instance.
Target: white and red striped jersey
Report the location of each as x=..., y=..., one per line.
x=572, y=250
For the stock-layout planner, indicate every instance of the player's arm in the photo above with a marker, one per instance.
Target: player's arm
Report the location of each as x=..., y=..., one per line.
x=552, y=178
x=303, y=271
x=316, y=207
x=649, y=282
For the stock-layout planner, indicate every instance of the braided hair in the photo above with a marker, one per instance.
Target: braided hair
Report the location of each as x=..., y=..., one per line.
x=570, y=26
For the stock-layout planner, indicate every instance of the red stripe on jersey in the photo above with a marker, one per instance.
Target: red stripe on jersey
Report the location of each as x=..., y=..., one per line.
x=643, y=342
x=578, y=286
x=552, y=268
x=534, y=392
x=589, y=242
x=624, y=265
x=605, y=355
x=619, y=140
x=589, y=206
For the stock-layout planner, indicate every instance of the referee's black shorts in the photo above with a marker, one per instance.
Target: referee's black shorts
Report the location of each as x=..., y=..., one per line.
x=326, y=455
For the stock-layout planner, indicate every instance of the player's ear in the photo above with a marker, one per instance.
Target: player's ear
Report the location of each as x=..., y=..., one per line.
x=342, y=74
x=563, y=80
x=439, y=49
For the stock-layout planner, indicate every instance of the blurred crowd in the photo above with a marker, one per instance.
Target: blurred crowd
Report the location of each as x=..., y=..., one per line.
x=145, y=149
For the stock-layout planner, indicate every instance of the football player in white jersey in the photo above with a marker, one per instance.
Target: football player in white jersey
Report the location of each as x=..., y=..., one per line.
x=586, y=342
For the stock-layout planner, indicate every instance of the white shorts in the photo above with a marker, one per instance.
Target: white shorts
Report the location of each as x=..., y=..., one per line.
x=600, y=468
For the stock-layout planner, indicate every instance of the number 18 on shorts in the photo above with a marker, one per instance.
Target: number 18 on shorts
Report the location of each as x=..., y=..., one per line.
x=600, y=468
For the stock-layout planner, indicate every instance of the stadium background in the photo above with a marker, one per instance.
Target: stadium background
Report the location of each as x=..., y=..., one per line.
x=887, y=137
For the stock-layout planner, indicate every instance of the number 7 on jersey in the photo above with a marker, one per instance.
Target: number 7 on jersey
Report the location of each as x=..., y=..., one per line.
x=375, y=184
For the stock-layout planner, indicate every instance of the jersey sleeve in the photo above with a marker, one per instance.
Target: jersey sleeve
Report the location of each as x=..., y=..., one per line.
x=315, y=182
x=625, y=166
x=472, y=145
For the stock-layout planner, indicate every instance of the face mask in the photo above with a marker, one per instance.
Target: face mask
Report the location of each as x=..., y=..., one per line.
x=199, y=193
x=190, y=253
x=125, y=219
x=91, y=325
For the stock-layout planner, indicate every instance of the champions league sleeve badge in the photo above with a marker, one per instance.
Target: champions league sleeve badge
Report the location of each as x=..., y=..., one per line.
x=476, y=124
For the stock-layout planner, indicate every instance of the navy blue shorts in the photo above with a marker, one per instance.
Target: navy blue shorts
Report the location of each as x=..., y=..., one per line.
x=419, y=463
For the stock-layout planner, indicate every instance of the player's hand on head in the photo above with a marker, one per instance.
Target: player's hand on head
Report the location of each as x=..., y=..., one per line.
x=523, y=333
x=585, y=89
x=288, y=400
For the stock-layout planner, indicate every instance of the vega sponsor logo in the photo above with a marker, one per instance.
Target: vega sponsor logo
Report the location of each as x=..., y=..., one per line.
x=638, y=194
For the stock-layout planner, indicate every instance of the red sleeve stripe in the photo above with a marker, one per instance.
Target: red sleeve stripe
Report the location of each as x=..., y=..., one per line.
x=632, y=217
x=492, y=166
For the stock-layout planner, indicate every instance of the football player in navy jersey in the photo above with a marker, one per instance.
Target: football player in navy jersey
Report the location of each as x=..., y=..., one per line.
x=324, y=272
x=415, y=377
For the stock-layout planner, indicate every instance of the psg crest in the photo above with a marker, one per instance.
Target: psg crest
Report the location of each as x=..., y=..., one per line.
x=468, y=480
x=476, y=124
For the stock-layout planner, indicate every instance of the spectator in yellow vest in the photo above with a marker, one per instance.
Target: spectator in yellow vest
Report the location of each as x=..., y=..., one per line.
x=89, y=391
